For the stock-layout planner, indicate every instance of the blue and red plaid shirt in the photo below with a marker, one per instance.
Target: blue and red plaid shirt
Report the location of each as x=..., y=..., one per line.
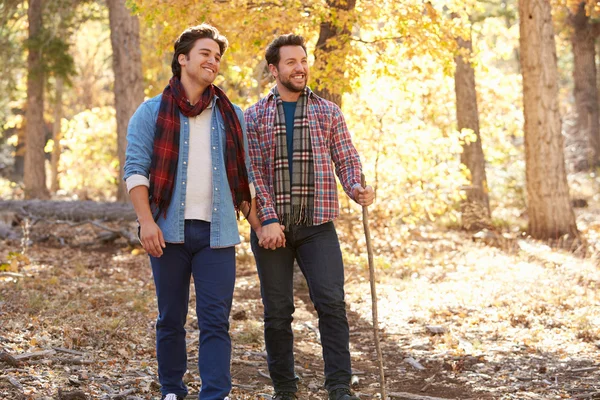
x=331, y=144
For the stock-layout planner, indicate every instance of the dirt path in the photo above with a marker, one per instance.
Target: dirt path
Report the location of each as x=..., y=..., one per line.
x=518, y=325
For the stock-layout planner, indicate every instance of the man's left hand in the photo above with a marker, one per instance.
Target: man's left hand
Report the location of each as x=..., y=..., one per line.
x=364, y=196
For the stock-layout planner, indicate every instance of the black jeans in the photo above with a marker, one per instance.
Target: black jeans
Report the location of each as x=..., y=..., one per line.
x=317, y=250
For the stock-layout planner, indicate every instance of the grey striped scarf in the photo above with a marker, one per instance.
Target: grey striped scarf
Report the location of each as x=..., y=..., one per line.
x=295, y=200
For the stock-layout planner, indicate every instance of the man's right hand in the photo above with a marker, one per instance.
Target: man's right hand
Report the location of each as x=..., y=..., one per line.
x=271, y=236
x=152, y=238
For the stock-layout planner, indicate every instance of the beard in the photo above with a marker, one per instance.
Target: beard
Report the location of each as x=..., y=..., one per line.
x=287, y=83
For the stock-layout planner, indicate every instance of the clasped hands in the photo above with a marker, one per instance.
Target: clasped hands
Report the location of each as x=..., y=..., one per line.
x=271, y=236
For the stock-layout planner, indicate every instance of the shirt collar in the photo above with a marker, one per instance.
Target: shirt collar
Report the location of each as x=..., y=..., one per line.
x=271, y=95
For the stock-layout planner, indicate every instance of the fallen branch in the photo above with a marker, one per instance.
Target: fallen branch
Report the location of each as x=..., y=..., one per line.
x=74, y=395
x=69, y=351
x=587, y=369
x=13, y=274
x=7, y=358
x=131, y=238
x=414, y=363
x=13, y=381
x=247, y=362
x=35, y=354
x=123, y=394
x=70, y=210
x=410, y=396
x=72, y=361
x=263, y=374
x=585, y=395
x=243, y=387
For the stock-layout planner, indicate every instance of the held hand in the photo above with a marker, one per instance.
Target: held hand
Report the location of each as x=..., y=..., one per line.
x=152, y=238
x=364, y=196
x=271, y=236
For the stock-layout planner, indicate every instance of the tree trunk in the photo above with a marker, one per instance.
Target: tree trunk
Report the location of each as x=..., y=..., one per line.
x=325, y=47
x=584, y=77
x=19, y=166
x=56, y=135
x=34, y=177
x=476, y=207
x=549, y=208
x=129, y=83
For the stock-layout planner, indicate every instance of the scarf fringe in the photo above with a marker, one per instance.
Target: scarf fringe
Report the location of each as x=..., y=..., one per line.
x=299, y=215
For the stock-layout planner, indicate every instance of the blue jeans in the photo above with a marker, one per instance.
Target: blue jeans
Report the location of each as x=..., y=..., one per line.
x=214, y=278
x=317, y=250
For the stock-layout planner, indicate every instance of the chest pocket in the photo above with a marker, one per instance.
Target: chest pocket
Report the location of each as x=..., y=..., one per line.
x=319, y=133
x=267, y=141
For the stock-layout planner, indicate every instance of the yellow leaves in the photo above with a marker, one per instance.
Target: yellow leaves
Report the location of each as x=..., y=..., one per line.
x=14, y=262
x=89, y=159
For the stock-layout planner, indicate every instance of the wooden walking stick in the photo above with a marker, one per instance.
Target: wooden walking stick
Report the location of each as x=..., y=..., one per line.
x=373, y=293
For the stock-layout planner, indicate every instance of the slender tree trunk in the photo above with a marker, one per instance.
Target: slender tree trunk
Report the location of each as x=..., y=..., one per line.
x=584, y=76
x=477, y=204
x=326, y=46
x=549, y=208
x=34, y=177
x=19, y=165
x=56, y=135
x=129, y=83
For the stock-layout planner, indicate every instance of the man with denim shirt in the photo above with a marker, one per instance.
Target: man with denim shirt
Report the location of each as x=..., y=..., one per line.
x=295, y=137
x=186, y=172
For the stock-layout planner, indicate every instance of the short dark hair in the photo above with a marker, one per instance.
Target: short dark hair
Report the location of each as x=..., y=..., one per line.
x=272, y=54
x=185, y=42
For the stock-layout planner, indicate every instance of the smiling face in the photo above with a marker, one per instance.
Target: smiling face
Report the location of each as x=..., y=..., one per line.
x=291, y=73
x=201, y=65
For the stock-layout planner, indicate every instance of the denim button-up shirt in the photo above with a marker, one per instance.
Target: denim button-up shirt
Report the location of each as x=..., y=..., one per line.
x=138, y=157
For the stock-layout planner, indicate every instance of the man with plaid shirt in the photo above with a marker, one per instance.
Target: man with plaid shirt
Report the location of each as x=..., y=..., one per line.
x=295, y=139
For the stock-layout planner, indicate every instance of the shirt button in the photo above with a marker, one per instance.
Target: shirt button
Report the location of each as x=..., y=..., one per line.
x=185, y=122
x=183, y=183
x=185, y=162
x=216, y=188
x=215, y=209
x=215, y=168
x=185, y=142
x=214, y=147
x=183, y=204
x=213, y=128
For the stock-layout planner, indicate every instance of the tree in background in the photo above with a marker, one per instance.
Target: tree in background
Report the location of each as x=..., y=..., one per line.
x=332, y=48
x=477, y=203
x=35, y=139
x=550, y=213
x=476, y=207
x=129, y=83
x=583, y=40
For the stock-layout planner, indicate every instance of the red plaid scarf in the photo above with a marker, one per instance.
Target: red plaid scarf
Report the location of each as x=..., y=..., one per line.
x=166, y=144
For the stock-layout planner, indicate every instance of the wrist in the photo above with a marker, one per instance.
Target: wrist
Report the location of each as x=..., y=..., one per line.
x=145, y=220
x=269, y=221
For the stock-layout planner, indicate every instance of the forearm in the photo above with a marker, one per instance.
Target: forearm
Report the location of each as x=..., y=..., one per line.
x=252, y=218
x=141, y=205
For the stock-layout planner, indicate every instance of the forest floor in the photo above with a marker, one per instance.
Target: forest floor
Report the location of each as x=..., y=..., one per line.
x=517, y=321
